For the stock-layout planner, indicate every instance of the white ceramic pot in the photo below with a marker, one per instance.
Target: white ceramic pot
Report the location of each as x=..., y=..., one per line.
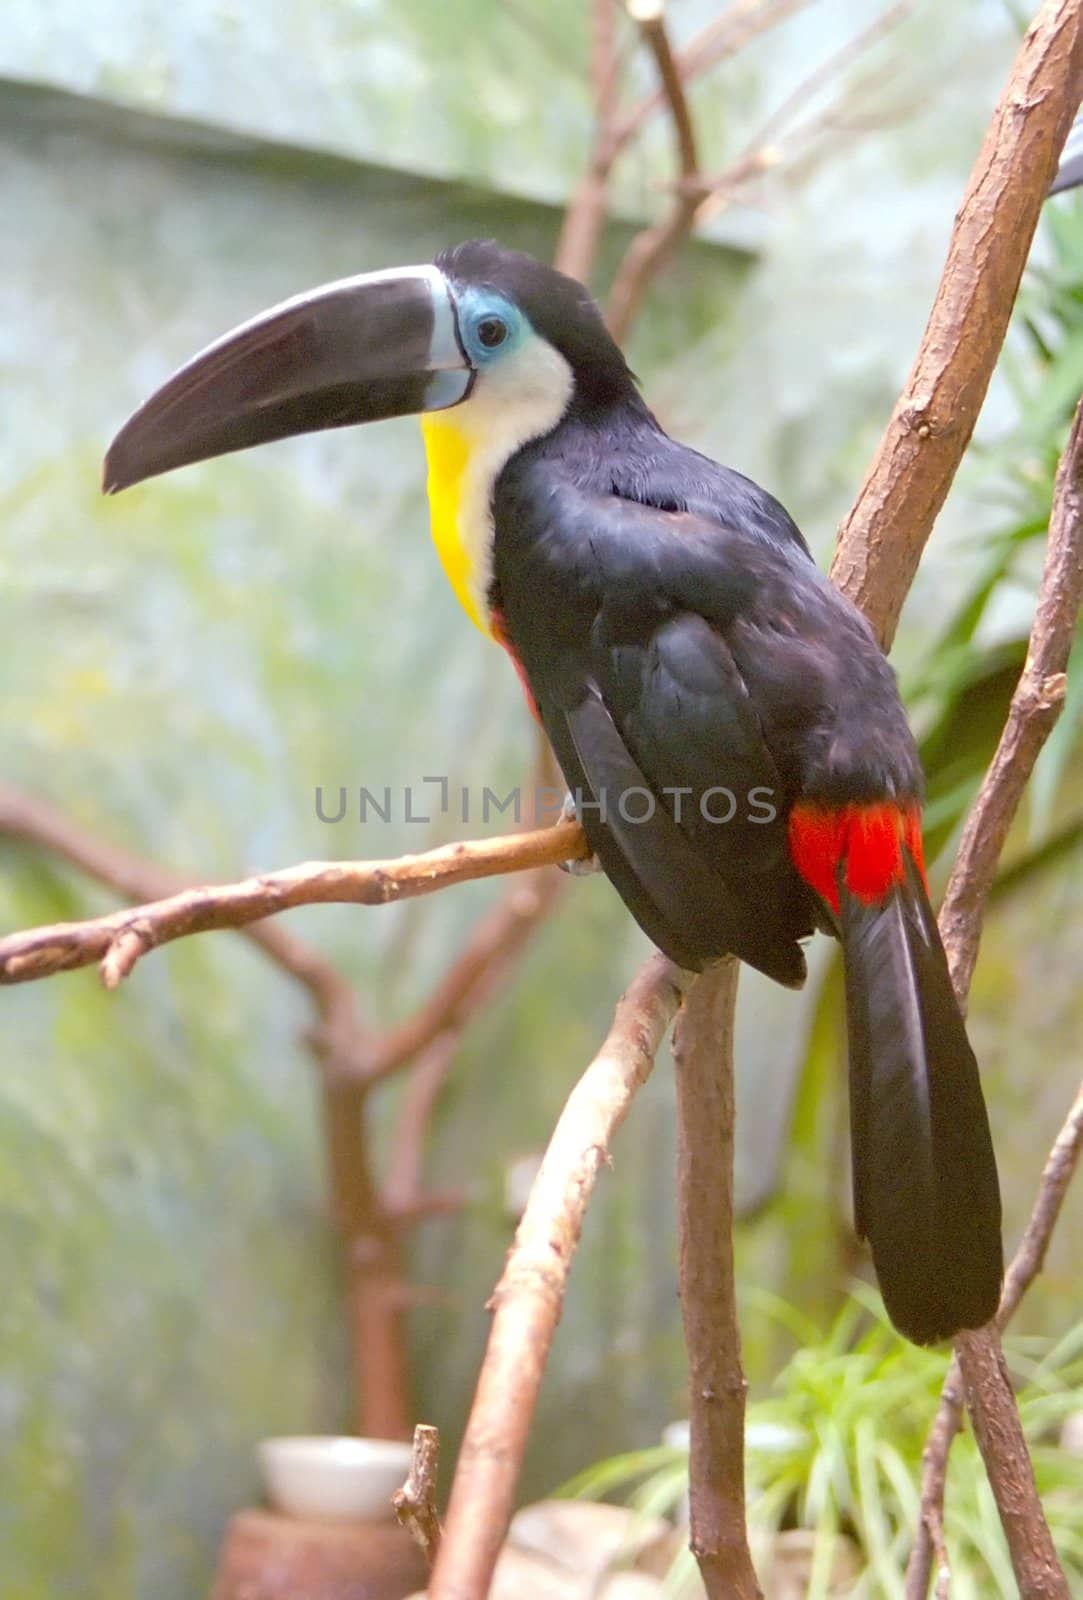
x=341, y=1479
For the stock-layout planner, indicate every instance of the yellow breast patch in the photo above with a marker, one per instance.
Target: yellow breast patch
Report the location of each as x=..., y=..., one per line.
x=448, y=451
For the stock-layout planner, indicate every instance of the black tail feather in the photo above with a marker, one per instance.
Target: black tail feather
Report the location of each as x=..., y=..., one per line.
x=926, y=1194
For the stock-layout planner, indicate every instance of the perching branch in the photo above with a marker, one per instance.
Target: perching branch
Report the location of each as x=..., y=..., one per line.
x=33, y=821
x=118, y=940
x=529, y=1297
x=415, y=1503
x=881, y=541
x=1032, y=714
x=703, y=1054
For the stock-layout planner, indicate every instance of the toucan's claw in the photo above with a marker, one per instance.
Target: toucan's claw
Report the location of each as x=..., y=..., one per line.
x=580, y=866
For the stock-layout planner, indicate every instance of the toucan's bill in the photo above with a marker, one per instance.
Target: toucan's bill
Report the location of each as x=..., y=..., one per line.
x=384, y=344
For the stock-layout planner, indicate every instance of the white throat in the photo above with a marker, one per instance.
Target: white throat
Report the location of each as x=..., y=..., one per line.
x=519, y=398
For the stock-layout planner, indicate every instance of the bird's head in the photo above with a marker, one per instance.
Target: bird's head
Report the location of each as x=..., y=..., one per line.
x=485, y=329
x=493, y=348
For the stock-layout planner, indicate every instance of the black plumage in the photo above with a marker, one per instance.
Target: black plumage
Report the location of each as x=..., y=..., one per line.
x=678, y=639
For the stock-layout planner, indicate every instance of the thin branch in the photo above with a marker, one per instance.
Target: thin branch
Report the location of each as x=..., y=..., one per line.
x=425, y=1083
x=119, y=939
x=1056, y=1176
x=496, y=942
x=340, y=1043
x=765, y=150
x=1027, y=1262
x=722, y=37
x=585, y=217
x=881, y=541
x=1032, y=714
x=529, y=1297
x=703, y=1053
x=1035, y=707
x=880, y=545
x=30, y=820
x=652, y=247
x=415, y=1503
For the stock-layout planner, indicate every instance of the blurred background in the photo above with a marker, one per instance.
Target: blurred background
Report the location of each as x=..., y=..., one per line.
x=184, y=667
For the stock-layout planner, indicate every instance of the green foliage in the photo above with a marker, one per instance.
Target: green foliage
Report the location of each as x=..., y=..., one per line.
x=835, y=1448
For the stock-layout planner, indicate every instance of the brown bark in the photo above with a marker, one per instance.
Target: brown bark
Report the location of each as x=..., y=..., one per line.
x=415, y=1502
x=881, y=540
x=1034, y=709
x=1035, y=706
x=529, y=1297
x=703, y=1052
x=121, y=938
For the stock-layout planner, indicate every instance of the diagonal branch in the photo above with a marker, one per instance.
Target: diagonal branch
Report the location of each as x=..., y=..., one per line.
x=881, y=541
x=1035, y=707
x=1032, y=714
x=528, y=1300
x=767, y=148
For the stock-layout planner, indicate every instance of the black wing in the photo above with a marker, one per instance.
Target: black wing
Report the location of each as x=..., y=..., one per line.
x=623, y=618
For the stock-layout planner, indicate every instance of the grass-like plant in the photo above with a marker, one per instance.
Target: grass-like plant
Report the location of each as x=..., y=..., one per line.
x=835, y=1448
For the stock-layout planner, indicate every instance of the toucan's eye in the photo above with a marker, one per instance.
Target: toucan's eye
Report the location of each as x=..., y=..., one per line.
x=492, y=331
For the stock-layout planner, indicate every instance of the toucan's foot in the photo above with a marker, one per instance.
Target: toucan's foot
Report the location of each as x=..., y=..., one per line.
x=581, y=866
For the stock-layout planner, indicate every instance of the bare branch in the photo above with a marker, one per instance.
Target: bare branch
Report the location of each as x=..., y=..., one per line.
x=652, y=247
x=482, y=965
x=529, y=1297
x=1024, y=1268
x=1056, y=1176
x=1035, y=707
x=584, y=220
x=767, y=149
x=881, y=541
x=415, y=1503
x=703, y=1052
x=43, y=951
x=33, y=821
x=724, y=36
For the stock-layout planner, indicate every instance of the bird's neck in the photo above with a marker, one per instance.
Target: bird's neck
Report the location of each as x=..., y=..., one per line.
x=467, y=449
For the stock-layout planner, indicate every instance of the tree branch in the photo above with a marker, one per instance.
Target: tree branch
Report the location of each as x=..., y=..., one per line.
x=1032, y=714
x=340, y=1044
x=118, y=940
x=703, y=1053
x=765, y=151
x=652, y=247
x=585, y=217
x=881, y=541
x=415, y=1503
x=1035, y=706
x=723, y=36
x=528, y=1300
x=33, y=821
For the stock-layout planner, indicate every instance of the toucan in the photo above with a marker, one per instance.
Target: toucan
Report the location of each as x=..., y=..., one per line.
x=730, y=728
